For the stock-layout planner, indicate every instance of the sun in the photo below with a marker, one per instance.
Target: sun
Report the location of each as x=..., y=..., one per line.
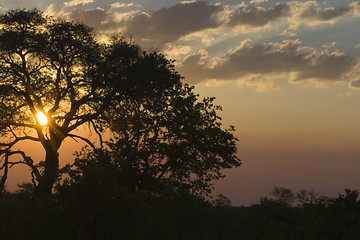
x=41, y=118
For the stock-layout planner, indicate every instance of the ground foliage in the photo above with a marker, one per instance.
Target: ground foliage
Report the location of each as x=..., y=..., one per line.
x=98, y=206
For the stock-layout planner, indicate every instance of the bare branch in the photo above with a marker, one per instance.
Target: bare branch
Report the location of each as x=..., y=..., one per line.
x=73, y=136
x=58, y=95
x=98, y=133
x=26, y=160
x=18, y=139
x=4, y=176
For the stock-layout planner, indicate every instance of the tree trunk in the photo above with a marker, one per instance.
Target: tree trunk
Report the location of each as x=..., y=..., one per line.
x=50, y=173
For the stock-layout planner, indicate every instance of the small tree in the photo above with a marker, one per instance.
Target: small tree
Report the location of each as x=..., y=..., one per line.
x=55, y=77
x=222, y=201
x=307, y=197
x=283, y=196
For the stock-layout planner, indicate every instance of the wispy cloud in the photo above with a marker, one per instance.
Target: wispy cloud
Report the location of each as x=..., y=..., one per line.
x=301, y=63
x=254, y=16
x=104, y=20
x=77, y=2
x=258, y=1
x=169, y=24
x=311, y=13
x=123, y=5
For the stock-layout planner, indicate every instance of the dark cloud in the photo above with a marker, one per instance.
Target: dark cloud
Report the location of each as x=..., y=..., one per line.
x=169, y=24
x=302, y=63
x=100, y=19
x=255, y=16
x=311, y=11
x=355, y=83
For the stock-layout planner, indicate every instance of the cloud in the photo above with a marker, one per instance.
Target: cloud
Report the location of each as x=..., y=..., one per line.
x=190, y=18
x=356, y=8
x=104, y=20
x=121, y=5
x=77, y=2
x=355, y=83
x=169, y=24
x=155, y=28
x=254, y=16
x=176, y=52
x=258, y=1
x=300, y=63
x=354, y=76
x=312, y=13
x=294, y=12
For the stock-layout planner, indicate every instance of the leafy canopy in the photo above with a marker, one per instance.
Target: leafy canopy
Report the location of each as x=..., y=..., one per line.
x=163, y=133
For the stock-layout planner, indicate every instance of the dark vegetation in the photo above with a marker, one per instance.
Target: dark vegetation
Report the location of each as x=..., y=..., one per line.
x=98, y=206
x=163, y=135
x=153, y=178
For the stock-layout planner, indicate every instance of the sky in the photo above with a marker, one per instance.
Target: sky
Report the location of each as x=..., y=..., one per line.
x=287, y=74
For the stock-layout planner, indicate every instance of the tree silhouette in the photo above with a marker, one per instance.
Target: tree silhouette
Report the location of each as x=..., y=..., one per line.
x=58, y=69
x=49, y=67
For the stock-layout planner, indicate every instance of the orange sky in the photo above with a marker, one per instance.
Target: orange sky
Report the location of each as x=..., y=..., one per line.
x=287, y=74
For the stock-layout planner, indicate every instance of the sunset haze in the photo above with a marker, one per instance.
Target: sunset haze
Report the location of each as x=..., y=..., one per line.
x=286, y=73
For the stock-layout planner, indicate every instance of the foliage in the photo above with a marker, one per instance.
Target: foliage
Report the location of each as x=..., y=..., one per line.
x=107, y=211
x=46, y=66
x=222, y=201
x=163, y=133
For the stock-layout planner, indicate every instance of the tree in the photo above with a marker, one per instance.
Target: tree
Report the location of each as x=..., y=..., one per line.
x=280, y=196
x=164, y=136
x=222, y=201
x=47, y=68
x=57, y=69
x=307, y=197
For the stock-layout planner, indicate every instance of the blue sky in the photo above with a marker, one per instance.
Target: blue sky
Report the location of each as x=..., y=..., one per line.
x=287, y=74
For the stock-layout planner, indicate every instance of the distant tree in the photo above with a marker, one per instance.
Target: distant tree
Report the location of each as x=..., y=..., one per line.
x=222, y=201
x=348, y=200
x=280, y=196
x=55, y=77
x=283, y=195
x=307, y=197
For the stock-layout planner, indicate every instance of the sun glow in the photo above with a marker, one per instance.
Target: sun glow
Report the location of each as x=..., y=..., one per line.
x=41, y=118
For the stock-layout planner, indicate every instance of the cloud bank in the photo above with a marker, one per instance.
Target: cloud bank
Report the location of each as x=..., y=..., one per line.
x=302, y=63
x=170, y=29
x=170, y=24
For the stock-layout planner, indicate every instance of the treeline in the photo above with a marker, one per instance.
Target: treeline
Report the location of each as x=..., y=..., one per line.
x=96, y=206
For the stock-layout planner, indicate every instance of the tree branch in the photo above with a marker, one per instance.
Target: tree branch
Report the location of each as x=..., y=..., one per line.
x=73, y=136
x=26, y=160
x=16, y=140
x=98, y=133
